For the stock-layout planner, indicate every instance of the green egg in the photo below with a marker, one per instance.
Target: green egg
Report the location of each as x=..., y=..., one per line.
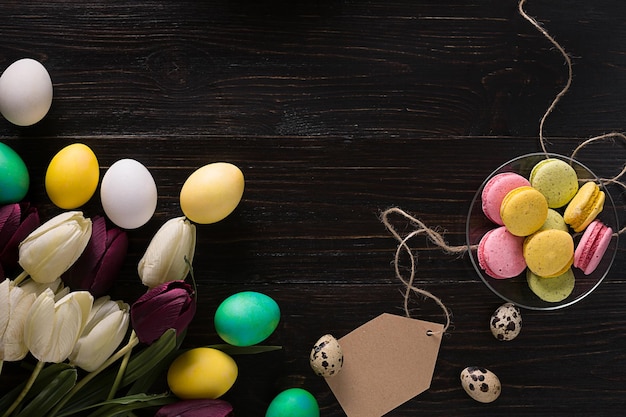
x=14, y=178
x=293, y=402
x=246, y=318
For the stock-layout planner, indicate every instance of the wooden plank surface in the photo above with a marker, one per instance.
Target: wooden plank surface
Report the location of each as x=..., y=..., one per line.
x=335, y=111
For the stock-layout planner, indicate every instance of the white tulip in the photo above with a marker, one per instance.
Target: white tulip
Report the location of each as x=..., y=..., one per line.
x=57, y=287
x=54, y=246
x=105, y=330
x=164, y=259
x=15, y=304
x=52, y=328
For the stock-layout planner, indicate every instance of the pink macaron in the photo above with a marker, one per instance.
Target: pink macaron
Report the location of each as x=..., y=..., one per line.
x=501, y=254
x=592, y=246
x=494, y=191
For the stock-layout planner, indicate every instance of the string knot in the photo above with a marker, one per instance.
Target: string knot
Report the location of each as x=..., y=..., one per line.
x=434, y=237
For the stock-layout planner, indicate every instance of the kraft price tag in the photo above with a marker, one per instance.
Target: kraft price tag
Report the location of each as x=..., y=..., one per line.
x=387, y=361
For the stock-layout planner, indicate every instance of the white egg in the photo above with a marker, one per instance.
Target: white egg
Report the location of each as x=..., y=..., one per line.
x=25, y=92
x=128, y=194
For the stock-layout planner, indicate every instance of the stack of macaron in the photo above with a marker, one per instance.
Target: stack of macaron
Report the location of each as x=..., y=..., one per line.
x=536, y=220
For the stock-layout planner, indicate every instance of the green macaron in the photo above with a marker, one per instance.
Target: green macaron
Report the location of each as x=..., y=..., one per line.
x=551, y=290
x=556, y=180
x=554, y=221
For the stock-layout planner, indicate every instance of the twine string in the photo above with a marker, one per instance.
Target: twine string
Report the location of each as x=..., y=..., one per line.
x=607, y=181
x=612, y=135
x=570, y=75
x=437, y=238
x=542, y=140
x=570, y=72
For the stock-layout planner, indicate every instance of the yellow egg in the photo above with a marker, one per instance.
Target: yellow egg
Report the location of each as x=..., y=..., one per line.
x=201, y=373
x=212, y=192
x=72, y=176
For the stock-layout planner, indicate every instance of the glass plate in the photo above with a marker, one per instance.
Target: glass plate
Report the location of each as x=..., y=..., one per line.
x=516, y=290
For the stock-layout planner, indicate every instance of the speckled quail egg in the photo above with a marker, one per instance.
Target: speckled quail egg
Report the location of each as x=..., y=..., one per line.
x=481, y=384
x=506, y=322
x=326, y=356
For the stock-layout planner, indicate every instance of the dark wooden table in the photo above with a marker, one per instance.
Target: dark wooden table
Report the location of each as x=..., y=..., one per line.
x=336, y=110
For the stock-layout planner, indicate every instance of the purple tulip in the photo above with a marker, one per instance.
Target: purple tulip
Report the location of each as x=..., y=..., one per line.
x=197, y=408
x=17, y=221
x=171, y=305
x=99, y=265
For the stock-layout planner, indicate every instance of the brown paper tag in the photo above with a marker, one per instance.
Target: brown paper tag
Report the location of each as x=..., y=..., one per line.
x=387, y=361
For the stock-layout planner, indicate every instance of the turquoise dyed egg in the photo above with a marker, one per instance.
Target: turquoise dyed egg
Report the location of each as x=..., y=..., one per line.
x=14, y=178
x=246, y=318
x=293, y=402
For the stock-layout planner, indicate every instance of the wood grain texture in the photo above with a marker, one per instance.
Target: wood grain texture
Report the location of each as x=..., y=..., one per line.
x=336, y=110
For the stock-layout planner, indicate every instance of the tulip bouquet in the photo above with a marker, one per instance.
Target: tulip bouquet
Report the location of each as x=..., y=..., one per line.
x=57, y=311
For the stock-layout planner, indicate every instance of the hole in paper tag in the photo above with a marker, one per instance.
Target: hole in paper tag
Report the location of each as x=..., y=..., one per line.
x=387, y=361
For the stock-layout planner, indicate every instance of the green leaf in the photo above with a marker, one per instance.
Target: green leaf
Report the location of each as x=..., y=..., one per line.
x=144, y=361
x=124, y=404
x=139, y=398
x=146, y=381
x=45, y=377
x=244, y=350
x=50, y=394
x=140, y=364
x=94, y=392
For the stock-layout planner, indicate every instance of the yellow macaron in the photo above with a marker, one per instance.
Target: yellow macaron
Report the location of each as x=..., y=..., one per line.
x=549, y=253
x=584, y=207
x=524, y=210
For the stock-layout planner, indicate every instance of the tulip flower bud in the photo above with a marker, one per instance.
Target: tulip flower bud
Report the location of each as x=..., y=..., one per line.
x=52, y=328
x=15, y=304
x=16, y=222
x=196, y=408
x=105, y=329
x=164, y=259
x=36, y=288
x=171, y=305
x=54, y=246
x=100, y=263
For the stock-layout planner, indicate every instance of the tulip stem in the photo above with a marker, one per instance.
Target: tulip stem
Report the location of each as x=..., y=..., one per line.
x=21, y=277
x=29, y=384
x=193, y=278
x=122, y=368
x=132, y=342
